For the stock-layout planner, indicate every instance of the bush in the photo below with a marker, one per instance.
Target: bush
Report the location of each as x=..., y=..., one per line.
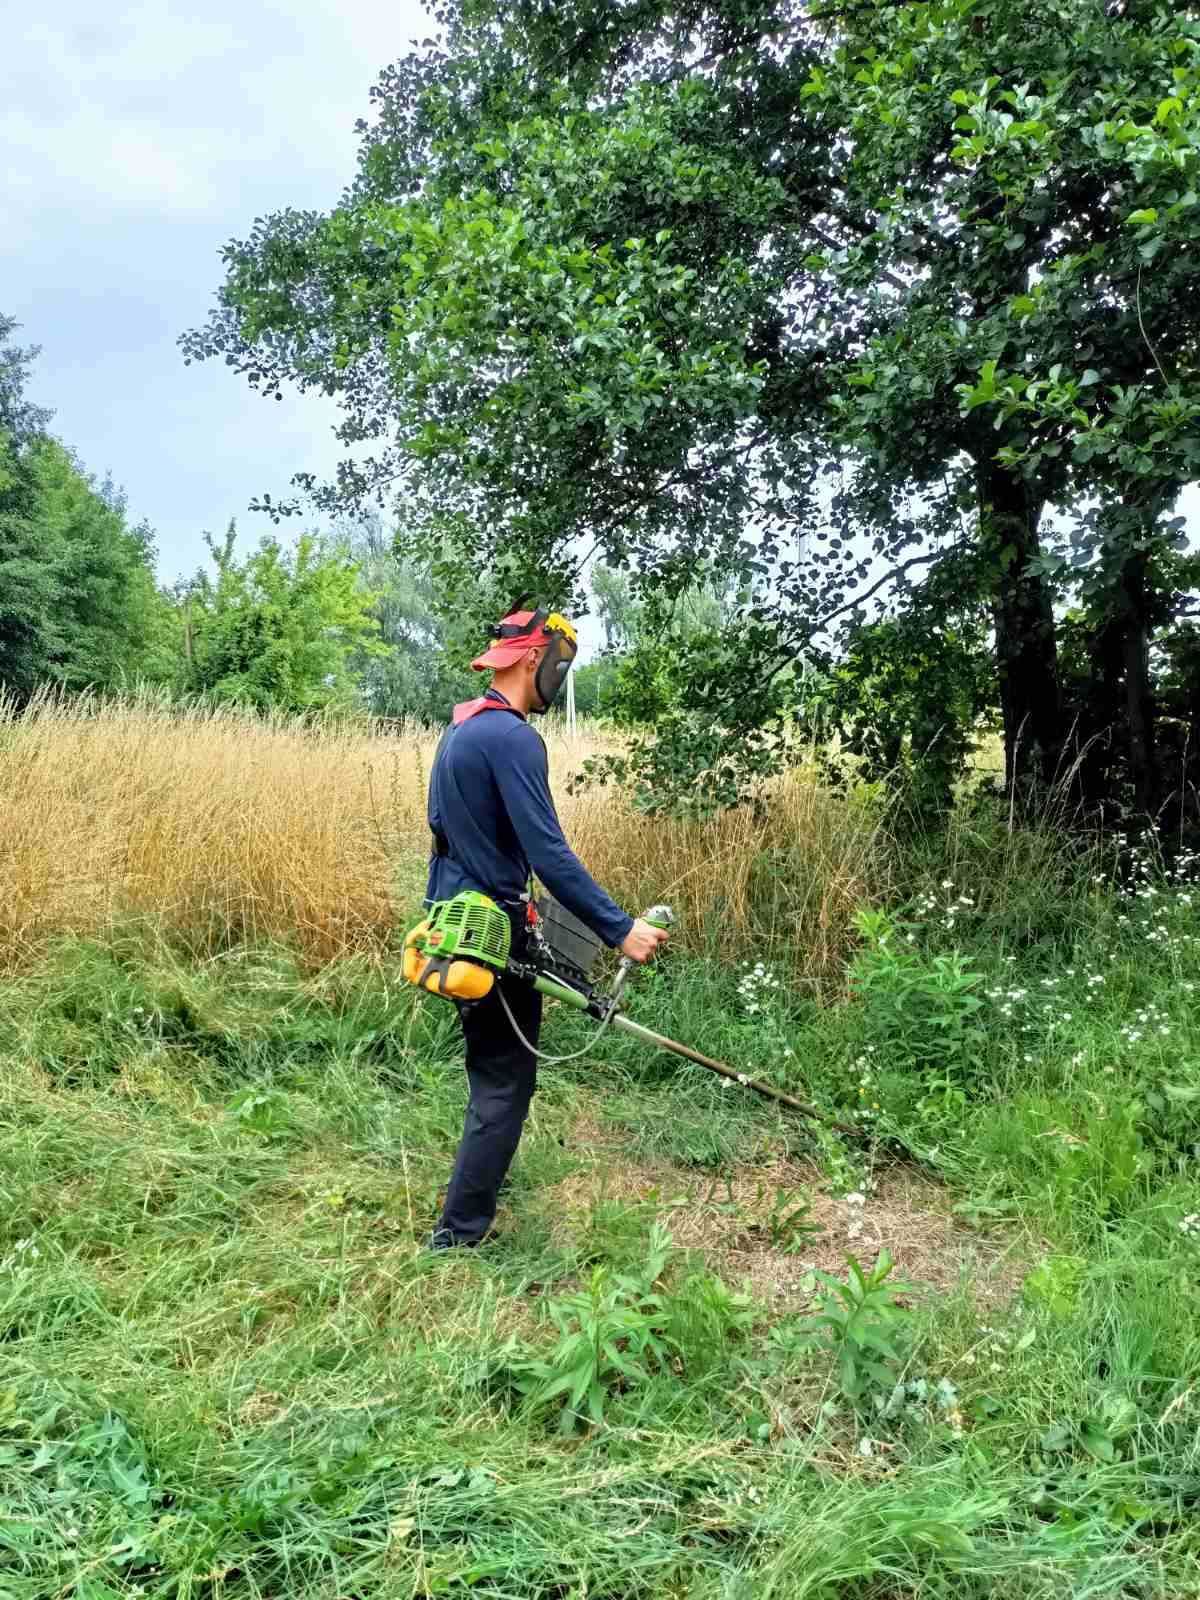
x=916, y=1009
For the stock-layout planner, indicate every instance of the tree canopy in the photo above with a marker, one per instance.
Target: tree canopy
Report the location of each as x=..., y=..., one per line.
x=278, y=630
x=833, y=298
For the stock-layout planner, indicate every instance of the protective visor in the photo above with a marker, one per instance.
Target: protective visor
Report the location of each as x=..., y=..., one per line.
x=531, y=630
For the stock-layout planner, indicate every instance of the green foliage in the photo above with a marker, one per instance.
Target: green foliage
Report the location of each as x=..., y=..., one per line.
x=20, y=419
x=110, y=625
x=617, y=608
x=608, y=1336
x=78, y=604
x=908, y=700
x=862, y=1321
x=644, y=681
x=279, y=630
x=595, y=684
x=708, y=1323
x=611, y=1335
x=918, y=1009
x=622, y=1331
x=788, y=1226
x=261, y=1111
x=1055, y=1283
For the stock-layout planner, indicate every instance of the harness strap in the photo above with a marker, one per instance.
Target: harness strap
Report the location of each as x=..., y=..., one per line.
x=466, y=709
x=463, y=712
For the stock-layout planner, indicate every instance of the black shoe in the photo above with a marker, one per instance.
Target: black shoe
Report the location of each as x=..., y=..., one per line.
x=443, y=1239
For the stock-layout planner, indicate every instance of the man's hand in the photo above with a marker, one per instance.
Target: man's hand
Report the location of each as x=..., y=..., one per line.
x=642, y=940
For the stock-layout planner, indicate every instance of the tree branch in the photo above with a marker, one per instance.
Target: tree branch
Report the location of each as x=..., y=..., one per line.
x=790, y=654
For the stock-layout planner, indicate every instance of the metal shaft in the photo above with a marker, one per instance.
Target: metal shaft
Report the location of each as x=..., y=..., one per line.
x=660, y=1040
x=556, y=990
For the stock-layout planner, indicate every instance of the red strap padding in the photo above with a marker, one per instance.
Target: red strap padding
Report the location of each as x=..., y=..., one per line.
x=466, y=709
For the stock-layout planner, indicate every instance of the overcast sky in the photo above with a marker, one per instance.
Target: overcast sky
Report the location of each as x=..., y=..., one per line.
x=135, y=139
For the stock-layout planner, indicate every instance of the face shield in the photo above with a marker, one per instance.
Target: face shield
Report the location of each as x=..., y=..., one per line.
x=521, y=631
x=556, y=660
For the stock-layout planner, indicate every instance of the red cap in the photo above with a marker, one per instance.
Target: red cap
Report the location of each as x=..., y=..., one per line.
x=504, y=652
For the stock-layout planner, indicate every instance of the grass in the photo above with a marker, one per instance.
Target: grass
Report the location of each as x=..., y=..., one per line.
x=216, y=829
x=227, y=1369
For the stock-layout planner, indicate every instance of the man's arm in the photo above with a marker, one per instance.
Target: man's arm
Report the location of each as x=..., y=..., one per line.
x=524, y=783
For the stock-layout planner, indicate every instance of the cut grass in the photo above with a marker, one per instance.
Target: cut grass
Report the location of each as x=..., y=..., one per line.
x=737, y=1216
x=229, y=1368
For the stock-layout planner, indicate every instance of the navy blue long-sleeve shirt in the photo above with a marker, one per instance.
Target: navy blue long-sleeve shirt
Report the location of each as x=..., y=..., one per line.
x=489, y=800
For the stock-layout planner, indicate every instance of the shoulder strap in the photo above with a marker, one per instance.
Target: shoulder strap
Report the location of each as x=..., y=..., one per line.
x=466, y=709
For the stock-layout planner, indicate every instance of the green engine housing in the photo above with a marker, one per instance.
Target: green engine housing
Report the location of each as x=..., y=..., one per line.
x=470, y=927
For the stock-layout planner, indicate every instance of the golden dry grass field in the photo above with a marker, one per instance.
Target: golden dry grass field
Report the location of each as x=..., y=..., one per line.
x=212, y=826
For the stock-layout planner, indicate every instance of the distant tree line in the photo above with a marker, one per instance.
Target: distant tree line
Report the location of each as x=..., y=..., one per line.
x=338, y=621
x=348, y=621
x=79, y=607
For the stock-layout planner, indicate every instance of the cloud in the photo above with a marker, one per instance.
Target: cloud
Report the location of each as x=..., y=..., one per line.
x=153, y=111
x=135, y=139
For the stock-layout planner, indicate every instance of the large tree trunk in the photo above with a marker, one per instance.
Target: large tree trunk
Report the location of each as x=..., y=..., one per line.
x=1026, y=646
x=1094, y=735
x=1119, y=703
x=1139, y=697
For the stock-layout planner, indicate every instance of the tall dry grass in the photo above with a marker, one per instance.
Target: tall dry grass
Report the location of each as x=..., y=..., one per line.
x=213, y=827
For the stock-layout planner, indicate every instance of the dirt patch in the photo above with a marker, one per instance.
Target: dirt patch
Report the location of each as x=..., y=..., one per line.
x=751, y=1224
x=261, y=1408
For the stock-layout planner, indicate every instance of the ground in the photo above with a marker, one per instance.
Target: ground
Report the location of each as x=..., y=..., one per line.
x=737, y=1218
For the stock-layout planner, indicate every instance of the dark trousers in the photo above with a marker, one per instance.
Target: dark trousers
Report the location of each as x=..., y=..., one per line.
x=502, y=1075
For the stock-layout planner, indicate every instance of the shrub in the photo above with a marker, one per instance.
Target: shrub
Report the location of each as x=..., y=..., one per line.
x=917, y=1009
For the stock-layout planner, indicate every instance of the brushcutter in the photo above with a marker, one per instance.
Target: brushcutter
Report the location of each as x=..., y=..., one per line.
x=466, y=942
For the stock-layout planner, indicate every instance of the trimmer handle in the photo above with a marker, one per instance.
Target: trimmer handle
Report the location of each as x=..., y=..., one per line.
x=658, y=917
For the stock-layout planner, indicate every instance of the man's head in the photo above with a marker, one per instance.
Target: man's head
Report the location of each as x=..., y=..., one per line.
x=530, y=658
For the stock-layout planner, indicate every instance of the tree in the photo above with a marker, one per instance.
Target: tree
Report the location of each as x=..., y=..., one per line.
x=1124, y=416
x=78, y=602
x=635, y=680
x=422, y=670
x=616, y=608
x=107, y=619
x=277, y=631
x=596, y=686
x=572, y=433
x=26, y=583
x=20, y=419
x=1009, y=275
x=909, y=697
x=759, y=285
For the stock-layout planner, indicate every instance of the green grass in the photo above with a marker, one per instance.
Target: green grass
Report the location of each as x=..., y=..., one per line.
x=227, y=1369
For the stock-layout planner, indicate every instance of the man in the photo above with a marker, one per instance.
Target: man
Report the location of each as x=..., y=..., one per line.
x=493, y=823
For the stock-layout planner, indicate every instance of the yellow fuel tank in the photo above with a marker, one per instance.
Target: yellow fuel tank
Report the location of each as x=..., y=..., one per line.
x=453, y=980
